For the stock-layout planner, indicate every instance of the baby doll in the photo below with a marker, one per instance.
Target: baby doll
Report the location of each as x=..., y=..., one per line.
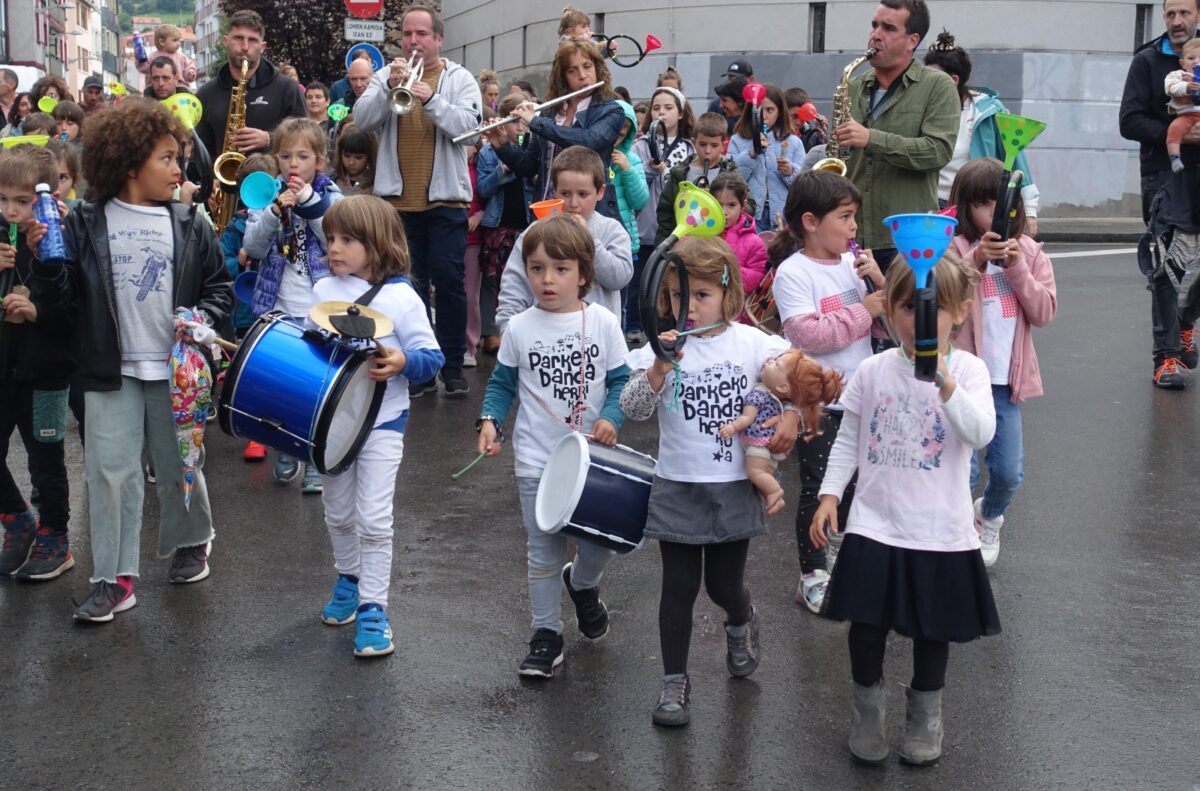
x=800, y=381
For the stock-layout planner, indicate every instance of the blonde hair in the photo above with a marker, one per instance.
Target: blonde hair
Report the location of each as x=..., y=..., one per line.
x=164, y=32
x=373, y=222
x=955, y=283
x=572, y=18
x=1189, y=45
x=713, y=260
x=305, y=130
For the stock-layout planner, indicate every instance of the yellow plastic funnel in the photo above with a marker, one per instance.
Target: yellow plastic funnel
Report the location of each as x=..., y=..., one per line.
x=1017, y=132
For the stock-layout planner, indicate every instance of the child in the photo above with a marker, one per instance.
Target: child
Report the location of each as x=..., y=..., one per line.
x=771, y=172
x=1017, y=293
x=1184, y=91
x=708, y=163
x=627, y=177
x=642, y=111
x=732, y=192
x=355, y=169
x=471, y=271
x=288, y=242
x=703, y=510
x=40, y=124
x=70, y=118
x=368, y=257
x=489, y=88
x=236, y=261
x=36, y=363
x=134, y=258
x=822, y=299
x=670, y=79
x=560, y=338
x=574, y=24
x=168, y=39
x=793, y=378
x=67, y=159
x=578, y=178
x=910, y=559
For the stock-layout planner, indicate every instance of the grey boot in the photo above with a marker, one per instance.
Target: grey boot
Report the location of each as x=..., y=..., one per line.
x=866, y=724
x=923, y=728
x=742, y=648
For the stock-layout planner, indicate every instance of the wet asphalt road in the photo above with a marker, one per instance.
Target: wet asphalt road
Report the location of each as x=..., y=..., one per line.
x=234, y=682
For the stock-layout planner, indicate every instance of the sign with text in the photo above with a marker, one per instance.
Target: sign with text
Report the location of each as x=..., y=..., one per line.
x=364, y=9
x=363, y=30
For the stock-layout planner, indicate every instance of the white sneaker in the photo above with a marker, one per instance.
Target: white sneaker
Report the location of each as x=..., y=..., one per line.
x=811, y=590
x=469, y=360
x=989, y=534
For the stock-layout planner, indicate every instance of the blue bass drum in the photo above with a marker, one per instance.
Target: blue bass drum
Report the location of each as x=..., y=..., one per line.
x=302, y=392
x=595, y=493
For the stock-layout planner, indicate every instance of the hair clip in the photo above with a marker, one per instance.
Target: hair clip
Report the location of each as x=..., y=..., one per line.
x=725, y=275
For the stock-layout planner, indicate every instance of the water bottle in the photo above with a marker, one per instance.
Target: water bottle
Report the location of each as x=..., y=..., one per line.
x=139, y=50
x=1195, y=78
x=52, y=250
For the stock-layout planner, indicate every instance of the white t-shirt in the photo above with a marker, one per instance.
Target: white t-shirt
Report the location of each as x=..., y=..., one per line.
x=804, y=286
x=716, y=372
x=1000, y=312
x=295, y=294
x=141, y=246
x=913, y=470
x=548, y=354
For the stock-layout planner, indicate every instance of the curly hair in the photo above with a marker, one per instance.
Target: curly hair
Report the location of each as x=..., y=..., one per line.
x=46, y=83
x=118, y=139
x=558, y=73
x=809, y=387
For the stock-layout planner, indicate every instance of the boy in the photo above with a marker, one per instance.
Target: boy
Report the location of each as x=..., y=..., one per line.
x=710, y=136
x=560, y=339
x=135, y=256
x=69, y=117
x=578, y=176
x=168, y=39
x=35, y=366
x=628, y=178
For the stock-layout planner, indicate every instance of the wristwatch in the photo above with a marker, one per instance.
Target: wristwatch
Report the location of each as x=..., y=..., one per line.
x=495, y=422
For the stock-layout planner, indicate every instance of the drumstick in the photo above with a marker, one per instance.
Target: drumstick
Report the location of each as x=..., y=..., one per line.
x=208, y=336
x=465, y=470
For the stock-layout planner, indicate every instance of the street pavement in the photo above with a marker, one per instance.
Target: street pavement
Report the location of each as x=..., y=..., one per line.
x=234, y=682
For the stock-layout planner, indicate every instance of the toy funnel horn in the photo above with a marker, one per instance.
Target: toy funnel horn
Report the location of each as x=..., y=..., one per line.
x=259, y=190
x=652, y=43
x=243, y=286
x=1017, y=132
x=922, y=239
x=186, y=108
x=697, y=213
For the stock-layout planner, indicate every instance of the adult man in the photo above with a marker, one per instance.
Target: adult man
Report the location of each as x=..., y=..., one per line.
x=904, y=121
x=93, y=95
x=163, y=79
x=270, y=97
x=340, y=88
x=8, y=90
x=739, y=68
x=358, y=77
x=428, y=182
x=1144, y=118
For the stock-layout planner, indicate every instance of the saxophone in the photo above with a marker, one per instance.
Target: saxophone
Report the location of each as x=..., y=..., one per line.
x=833, y=162
x=226, y=166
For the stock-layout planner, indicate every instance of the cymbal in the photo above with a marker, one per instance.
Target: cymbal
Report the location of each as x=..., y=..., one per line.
x=350, y=319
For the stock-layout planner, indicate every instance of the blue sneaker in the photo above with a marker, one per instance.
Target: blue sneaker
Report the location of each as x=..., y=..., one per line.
x=374, y=635
x=312, y=481
x=343, y=604
x=19, y=530
x=286, y=468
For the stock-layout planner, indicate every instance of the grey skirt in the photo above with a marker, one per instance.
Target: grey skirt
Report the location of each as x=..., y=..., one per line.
x=704, y=513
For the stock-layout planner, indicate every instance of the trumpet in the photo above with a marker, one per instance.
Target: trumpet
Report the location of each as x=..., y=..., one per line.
x=400, y=98
x=508, y=119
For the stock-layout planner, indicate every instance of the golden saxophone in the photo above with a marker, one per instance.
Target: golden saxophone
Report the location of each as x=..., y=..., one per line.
x=226, y=166
x=841, y=112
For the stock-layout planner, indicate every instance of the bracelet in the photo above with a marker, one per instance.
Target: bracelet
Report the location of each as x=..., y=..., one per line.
x=495, y=422
x=939, y=380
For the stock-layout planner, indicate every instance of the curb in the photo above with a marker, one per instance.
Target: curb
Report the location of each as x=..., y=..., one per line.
x=1089, y=237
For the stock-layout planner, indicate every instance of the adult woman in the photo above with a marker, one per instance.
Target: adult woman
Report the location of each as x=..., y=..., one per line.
x=52, y=86
x=489, y=87
x=22, y=107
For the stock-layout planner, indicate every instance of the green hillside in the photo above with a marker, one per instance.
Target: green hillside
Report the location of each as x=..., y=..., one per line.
x=178, y=12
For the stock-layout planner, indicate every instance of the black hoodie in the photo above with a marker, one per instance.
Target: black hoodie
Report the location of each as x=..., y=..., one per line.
x=270, y=98
x=1144, y=116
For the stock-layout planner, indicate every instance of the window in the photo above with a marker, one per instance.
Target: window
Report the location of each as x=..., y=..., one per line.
x=816, y=24
x=1142, y=23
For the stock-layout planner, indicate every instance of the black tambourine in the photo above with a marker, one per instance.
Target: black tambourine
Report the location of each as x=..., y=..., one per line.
x=661, y=261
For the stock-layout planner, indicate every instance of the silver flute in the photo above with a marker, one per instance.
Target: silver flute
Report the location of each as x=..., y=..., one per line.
x=508, y=119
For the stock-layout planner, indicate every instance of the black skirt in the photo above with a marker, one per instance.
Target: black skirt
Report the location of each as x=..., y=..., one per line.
x=916, y=593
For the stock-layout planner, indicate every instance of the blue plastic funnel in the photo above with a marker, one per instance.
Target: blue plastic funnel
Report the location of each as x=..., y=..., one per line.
x=258, y=190
x=921, y=239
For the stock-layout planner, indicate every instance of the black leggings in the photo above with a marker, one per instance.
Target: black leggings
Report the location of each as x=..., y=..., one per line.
x=867, y=644
x=723, y=567
x=813, y=453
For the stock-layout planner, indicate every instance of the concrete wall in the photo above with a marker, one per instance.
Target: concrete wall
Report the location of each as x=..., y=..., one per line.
x=1061, y=61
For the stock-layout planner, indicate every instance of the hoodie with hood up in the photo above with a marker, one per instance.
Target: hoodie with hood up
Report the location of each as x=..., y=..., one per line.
x=629, y=185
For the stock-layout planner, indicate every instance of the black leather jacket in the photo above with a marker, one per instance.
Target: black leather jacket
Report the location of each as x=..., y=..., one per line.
x=199, y=275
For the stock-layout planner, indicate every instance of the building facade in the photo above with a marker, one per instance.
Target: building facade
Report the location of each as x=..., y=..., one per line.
x=208, y=34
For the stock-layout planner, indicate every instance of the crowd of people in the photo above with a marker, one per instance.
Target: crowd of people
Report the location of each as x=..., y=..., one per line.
x=428, y=219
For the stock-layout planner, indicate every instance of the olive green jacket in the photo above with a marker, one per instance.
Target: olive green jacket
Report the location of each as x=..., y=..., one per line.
x=912, y=139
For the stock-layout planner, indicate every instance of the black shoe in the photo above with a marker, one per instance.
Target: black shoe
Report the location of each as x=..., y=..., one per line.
x=103, y=601
x=545, y=654
x=35, y=496
x=454, y=382
x=51, y=556
x=1189, y=357
x=418, y=389
x=19, y=530
x=590, y=612
x=742, y=647
x=1168, y=375
x=190, y=564
x=673, y=705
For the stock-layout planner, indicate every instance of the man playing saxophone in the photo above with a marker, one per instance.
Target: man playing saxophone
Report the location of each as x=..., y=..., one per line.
x=902, y=125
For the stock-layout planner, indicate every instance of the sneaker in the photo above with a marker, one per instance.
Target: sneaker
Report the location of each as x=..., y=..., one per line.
x=418, y=389
x=590, y=612
x=19, y=530
x=1168, y=376
x=105, y=600
x=312, y=481
x=190, y=564
x=454, y=382
x=545, y=654
x=832, y=549
x=49, y=558
x=673, y=706
x=469, y=361
x=343, y=604
x=489, y=344
x=1187, y=343
x=148, y=470
x=374, y=635
x=811, y=590
x=989, y=534
x=286, y=469
x=35, y=496
x=255, y=451
x=742, y=648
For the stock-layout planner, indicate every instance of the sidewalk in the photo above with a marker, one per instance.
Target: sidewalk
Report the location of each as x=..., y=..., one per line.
x=1124, y=230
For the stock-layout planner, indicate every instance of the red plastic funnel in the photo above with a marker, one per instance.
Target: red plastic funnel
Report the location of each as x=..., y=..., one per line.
x=754, y=93
x=652, y=43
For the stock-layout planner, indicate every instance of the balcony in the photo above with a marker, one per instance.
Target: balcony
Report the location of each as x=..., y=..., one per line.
x=108, y=19
x=111, y=64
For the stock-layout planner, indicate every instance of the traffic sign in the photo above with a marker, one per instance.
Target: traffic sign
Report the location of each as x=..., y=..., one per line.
x=376, y=56
x=364, y=9
x=364, y=30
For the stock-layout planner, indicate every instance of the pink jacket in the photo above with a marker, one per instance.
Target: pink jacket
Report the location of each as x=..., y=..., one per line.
x=750, y=250
x=1032, y=278
x=185, y=70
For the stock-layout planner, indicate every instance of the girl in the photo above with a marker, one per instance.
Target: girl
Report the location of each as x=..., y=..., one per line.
x=772, y=172
x=288, y=241
x=627, y=178
x=354, y=172
x=821, y=294
x=369, y=264
x=1017, y=293
x=70, y=118
x=732, y=192
x=670, y=79
x=67, y=157
x=703, y=509
x=665, y=142
x=910, y=560
x=593, y=121
x=489, y=87
x=474, y=244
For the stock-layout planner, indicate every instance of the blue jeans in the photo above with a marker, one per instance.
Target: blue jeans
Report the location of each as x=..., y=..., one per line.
x=437, y=242
x=1005, y=457
x=631, y=294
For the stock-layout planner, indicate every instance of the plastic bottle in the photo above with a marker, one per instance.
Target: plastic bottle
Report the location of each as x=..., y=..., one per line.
x=139, y=49
x=52, y=250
